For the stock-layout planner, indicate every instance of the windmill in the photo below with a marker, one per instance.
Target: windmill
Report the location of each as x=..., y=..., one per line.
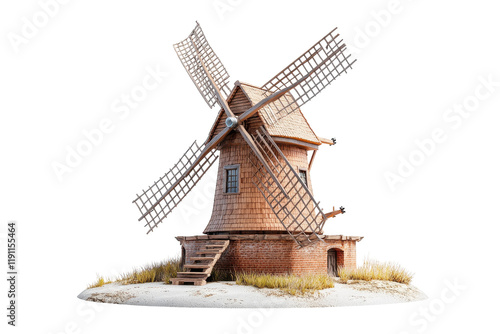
x=257, y=132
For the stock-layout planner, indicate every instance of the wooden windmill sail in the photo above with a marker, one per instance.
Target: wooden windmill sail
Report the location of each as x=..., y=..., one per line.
x=252, y=117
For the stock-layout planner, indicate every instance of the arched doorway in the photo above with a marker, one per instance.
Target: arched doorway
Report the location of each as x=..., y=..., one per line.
x=335, y=259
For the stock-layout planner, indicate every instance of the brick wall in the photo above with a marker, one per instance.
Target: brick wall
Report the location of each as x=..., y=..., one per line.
x=278, y=256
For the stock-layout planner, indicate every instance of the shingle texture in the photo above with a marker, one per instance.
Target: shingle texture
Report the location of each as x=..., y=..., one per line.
x=293, y=126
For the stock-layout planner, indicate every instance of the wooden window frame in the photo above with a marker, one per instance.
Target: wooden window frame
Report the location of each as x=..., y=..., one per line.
x=238, y=178
x=303, y=170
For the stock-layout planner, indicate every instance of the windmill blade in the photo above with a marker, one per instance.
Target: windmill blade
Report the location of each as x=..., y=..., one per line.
x=156, y=202
x=315, y=70
x=202, y=64
x=263, y=160
x=297, y=210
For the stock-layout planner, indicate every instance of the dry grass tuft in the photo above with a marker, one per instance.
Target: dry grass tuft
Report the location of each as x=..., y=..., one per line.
x=291, y=284
x=376, y=270
x=154, y=272
x=221, y=275
x=100, y=281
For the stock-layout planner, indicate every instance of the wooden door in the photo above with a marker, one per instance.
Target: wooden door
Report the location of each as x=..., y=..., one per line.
x=183, y=256
x=332, y=262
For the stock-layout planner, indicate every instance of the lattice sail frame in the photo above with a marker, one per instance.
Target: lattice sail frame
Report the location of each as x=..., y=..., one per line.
x=188, y=51
x=321, y=64
x=155, y=192
x=300, y=214
x=326, y=60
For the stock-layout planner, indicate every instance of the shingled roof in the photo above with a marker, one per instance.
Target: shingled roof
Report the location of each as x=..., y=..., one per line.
x=293, y=126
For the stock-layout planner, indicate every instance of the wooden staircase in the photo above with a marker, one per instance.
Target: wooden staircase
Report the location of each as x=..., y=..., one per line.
x=200, y=267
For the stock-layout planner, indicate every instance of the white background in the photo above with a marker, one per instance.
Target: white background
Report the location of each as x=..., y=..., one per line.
x=413, y=66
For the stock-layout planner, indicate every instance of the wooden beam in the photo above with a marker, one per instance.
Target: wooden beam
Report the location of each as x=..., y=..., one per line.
x=222, y=101
x=326, y=141
x=211, y=145
x=295, y=142
x=312, y=160
x=277, y=95
x=253, y=146
x=298, y=58
x=334, y=213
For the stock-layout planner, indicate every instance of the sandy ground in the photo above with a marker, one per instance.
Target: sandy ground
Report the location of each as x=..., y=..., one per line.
x=230, y=295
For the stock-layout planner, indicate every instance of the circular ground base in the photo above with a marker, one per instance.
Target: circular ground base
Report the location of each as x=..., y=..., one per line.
x=231, y=295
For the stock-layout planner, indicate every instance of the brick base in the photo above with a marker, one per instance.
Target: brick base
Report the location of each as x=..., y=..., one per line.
x=276, y=254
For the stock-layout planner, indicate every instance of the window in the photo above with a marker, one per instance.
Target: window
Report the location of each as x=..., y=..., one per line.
x=303, y=176
x=232, y=179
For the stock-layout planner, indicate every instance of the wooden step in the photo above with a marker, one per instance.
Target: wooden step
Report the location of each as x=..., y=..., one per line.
x=196, y=281
x=215, y=245
x=204, y=276
x=209, y=251
x=198, y=258
x=213, y=251
x=192, y=273
x=186, y=275
x=192, y=277
x=196, y=266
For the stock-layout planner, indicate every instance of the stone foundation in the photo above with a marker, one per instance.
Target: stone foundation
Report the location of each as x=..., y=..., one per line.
x=276, y=253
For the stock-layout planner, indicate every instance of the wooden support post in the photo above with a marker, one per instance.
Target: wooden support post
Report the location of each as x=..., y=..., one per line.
x=312, y=160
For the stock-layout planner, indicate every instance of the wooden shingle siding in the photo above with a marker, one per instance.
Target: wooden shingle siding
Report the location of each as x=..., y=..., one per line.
x=244, y=96
x=293, y=126
x=238, y=103
x=247, y=210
